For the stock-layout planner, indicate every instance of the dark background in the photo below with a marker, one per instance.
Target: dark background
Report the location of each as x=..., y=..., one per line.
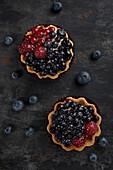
x=90, y=25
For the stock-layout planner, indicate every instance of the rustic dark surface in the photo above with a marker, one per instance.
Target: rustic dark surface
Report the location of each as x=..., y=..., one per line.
x=90, y=25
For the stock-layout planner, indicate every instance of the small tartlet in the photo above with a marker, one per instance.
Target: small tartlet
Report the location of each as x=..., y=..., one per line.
x=68, y=63
x=90, y=140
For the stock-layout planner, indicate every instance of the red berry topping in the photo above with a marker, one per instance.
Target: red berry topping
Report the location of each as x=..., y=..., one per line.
x=78, y=142
x=33, y=40
x=91, y=128
x=34, y=30
x=46, y=32
x=51, y=29
x=40, y=52
x=25, y=46
x=40, y=34
x=48, y=39
x=28, y=37
x=41, y=28
x=41, y=41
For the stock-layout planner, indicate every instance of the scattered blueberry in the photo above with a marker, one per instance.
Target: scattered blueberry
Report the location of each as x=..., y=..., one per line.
x=57, y=6
x=96, y=55
x=8, y=130
x=29, y=131
x=83, y=78
x=61, y=33
x=8, y=40
x=93, y=157
x=33, y=99
x=18, y=105
x=103, y=141
x=15, y=74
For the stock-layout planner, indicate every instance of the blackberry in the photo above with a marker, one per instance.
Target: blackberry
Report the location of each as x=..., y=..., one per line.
x=55, y=44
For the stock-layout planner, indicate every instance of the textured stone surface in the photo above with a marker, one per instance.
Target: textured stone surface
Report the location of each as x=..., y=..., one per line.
x=90, y=24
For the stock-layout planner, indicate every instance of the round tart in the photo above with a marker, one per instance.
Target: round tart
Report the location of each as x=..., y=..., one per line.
x=74, y=123
x=47, y=51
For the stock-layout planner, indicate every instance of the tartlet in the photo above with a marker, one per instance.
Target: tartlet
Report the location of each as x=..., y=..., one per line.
x=74, y=123
x=47, y=51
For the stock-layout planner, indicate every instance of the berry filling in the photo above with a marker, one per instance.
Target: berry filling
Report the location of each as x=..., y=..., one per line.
x=49, y=48
x=73, y=123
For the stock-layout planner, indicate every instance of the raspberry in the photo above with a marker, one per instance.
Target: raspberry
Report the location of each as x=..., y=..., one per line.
x=28, y=37
x=78, y=142
x=41, y=28
x=91, y=128
x=46, y=32
x=34, y=30
x=25, y=47
x=40, y=52
x=51, y=29
x=41, y=41
x=33, y=40
x=40, y=34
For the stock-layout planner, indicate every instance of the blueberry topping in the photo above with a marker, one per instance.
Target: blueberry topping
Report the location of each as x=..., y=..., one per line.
x=93, y=157
x=47, y=44
x=61, y=33
x=52, y=34
x=95, y=118
x=102, y=141
x=8, y=40
x=33, y=99
x=61, y=48
x=18, y=105
x=57, y=6
x=55, y=44
x=83, y=78
x=29, y=131
x=28, y=62
x=8, y=130
x=96, y=55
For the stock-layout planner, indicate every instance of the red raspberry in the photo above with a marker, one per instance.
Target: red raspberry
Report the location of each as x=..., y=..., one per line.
x=51, y=29
x=33, y=40
x=40, y=52
x=48, y=39
x=91, y=128
x=34, y=30
x=78, y=142
x=28, y=37
x=40, y=34
x=41, y=28
x=46, y=32
x=41, y=41
x=25, y=47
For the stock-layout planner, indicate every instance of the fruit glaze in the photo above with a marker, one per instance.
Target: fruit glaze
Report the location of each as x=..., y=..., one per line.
x=74, y=123
x=47, y=51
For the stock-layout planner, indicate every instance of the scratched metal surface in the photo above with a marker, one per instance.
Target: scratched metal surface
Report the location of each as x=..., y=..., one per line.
x=90, y=24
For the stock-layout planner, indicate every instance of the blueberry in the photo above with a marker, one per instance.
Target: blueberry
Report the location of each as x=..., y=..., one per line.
x=57, y=6
x=67, y=143
x=66, y=105
x=31, y=57
x=103, y=141
x=52, y=72
x=95, y=118
x=48, y=66
x=61, y=48
x=29, y=131
x=88, y=119
x=79, y=135
x=8, y=40
x=55, y=44
x=47, y=44
x=62, y=66
x=33, y=99
x=60, y=106
x=18, y=105
x=15, y=75
x=91, y=110
x=79, y=115
x=93, y=157
x=61, y=33
x=8, y=129
x=50, y=51
x=52, y=34
x=83, y=78
x=36, y=69
x=43, y=73
x=56, y=53
x=28, y=62
x=76, y=120
x=96, y=55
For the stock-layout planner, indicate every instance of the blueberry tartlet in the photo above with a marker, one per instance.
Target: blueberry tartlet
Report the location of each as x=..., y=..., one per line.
x=74, y=123
x=47, y=51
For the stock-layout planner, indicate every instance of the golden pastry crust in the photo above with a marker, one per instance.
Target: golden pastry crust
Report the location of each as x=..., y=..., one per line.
x=89, y=140
x=30, y=69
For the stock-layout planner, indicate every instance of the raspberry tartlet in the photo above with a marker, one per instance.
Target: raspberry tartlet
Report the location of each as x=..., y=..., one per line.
x=74, y=123
x=47, y=51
